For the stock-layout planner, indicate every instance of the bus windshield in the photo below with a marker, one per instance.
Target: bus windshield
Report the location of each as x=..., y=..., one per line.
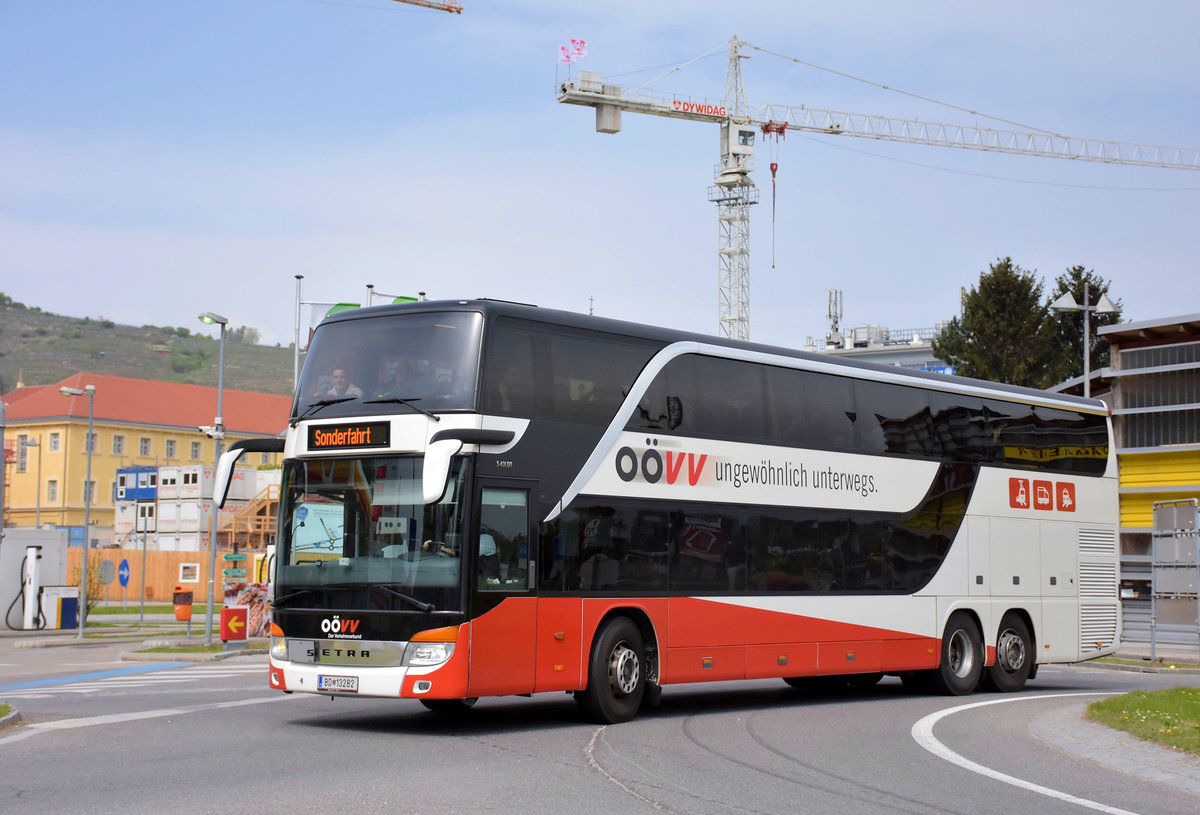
x=356, y=535
x=426, y=360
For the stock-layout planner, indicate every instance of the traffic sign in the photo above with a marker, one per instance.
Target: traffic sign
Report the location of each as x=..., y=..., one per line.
x=107, y=571
x=123, y=573
x=233, y=572
x=233, y=623
x=234, y=556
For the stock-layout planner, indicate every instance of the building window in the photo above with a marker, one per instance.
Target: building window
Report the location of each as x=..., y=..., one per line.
x=90, y=447
x=22, y=452
x=89, y=490
x=170, y=448
x=118, y=445
x=153, y=479
x=195, y=451
x=54, y=442
x=266, y=459
x=143, y=446
x=51, y=491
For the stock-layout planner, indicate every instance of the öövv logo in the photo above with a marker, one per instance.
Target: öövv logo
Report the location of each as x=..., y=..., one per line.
x=336, y=625
x=651, y=466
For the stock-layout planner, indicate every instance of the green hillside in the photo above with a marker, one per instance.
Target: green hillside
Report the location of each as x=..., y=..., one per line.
x=40, y=348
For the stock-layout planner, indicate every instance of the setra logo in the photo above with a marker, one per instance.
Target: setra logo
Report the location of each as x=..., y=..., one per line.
x=336, y=625
x=651, y=466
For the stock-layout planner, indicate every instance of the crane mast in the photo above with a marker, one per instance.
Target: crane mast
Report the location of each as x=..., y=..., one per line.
x=734, y=192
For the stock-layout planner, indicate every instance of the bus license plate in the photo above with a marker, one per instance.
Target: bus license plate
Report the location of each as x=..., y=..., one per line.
x=345, y=684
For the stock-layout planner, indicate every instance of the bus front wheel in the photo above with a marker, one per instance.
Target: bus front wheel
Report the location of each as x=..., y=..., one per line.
x=962, y=657
x=616, y=674
x=1014, y=656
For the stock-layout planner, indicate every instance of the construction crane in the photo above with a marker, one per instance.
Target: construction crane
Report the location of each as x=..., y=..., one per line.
x=450, y=6
x=734, y=192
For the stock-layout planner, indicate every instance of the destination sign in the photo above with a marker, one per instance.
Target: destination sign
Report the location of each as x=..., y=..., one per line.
x=348, y=436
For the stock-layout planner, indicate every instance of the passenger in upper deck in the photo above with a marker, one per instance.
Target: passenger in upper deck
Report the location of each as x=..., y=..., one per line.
x=405, y=381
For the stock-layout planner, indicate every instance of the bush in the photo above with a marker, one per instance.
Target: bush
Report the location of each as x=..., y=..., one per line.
x=95, y=589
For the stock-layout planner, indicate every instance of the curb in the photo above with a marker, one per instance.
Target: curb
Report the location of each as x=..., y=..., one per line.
x=1150, y=668
x=184, y=656
x=11, y=720
x=71, y=641
x=1161, y=666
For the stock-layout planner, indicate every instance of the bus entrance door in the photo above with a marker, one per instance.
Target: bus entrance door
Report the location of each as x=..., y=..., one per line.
x=503, y=599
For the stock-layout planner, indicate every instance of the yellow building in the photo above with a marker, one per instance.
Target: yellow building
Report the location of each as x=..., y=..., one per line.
x=135, y=423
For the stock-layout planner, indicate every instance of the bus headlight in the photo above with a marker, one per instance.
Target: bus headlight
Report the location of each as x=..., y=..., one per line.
x=279, y=649
x=424, y=654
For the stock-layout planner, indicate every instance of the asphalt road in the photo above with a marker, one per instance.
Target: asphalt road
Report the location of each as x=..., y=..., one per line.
x=103, y=735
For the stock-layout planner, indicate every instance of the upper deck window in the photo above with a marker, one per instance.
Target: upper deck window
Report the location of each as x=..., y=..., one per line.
x=428, y=359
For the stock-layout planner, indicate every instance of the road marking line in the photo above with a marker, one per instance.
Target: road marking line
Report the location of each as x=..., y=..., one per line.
x=922, y=732
x=119, y=718
x=63, y=680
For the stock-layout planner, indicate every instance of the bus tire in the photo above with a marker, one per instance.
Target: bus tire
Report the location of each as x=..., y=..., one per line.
x=616, y=674
x=1014, y=656
x=450, y=707
x=962, y=657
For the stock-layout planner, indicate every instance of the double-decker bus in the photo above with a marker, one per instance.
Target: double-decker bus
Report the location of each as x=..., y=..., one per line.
x=514, y=500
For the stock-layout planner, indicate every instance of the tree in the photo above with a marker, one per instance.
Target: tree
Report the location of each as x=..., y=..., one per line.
x=1006, y=332
x=244, y=334
x=1069, y=338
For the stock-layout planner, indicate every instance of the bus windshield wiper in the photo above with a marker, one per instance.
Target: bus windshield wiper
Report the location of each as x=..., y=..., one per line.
x=412, y=601
x=406, y=402
x=291, y=595
x=320, y=405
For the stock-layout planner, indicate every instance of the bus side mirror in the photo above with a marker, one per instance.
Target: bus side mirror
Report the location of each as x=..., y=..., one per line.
x=229, y=458
x=437, y=468
x=224, y=474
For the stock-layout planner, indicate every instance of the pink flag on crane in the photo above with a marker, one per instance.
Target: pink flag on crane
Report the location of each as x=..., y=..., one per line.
x=569, y=53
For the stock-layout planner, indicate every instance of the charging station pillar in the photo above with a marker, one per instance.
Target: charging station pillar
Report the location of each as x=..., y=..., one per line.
x=31, y=585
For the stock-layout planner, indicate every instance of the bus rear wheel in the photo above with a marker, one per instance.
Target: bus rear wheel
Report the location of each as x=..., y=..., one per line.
x=962, y=657
x=1014, y=656
x=616, y=674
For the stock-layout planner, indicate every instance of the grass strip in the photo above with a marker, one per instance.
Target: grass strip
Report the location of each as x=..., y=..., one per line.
x=1169, y=717
x=198, y=609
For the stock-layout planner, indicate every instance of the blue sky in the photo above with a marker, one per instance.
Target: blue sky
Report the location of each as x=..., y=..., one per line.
x=163, y=158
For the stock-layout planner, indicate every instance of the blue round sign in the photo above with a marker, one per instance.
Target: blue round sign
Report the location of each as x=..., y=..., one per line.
x=123, y=573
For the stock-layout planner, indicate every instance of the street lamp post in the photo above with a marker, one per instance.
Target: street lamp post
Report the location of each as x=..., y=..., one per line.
x=27, y=443
x=137, y=515
x=218, y=435
x=90, y=391
x=1103, y=306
